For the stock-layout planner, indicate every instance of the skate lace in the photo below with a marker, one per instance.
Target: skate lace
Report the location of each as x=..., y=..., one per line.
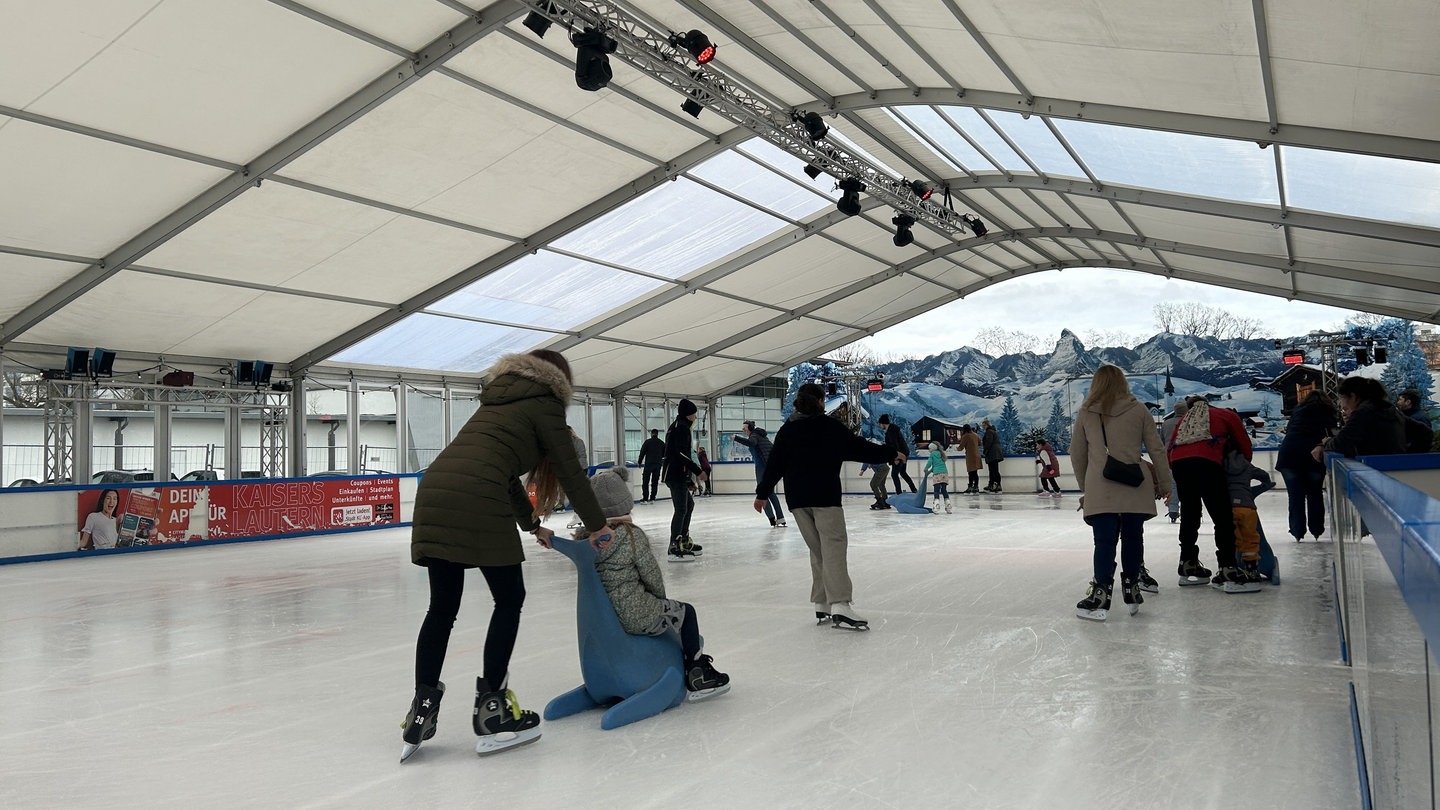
x=513, y=704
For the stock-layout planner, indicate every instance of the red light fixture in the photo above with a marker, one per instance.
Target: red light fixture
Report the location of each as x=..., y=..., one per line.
x=697, y=44
x=1293, y=357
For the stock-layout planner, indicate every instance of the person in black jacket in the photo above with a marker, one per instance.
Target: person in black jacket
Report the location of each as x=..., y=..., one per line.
x=1373, y=426
x=758, y=441
x=1310, y=423
x=896, y=442
x=679, y=467
x=994, y=454
x=807, y=455
x=651, y=459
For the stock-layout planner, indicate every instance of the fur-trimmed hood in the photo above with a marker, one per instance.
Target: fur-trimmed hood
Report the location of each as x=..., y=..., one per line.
x=520, y=376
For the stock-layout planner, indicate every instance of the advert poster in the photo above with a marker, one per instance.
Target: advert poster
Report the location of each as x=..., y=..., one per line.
x=187, y=513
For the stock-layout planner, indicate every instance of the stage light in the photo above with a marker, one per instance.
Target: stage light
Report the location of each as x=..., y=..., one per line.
x=1382, y=355
x=1293, y=357
x=921, y=189
x=974, y=224
x=903, y=234
x=538, y=22
x=814, y=125
x=692, y=107
x=874, y=384
x=813, y=171
x=849, y=203
x=592, y=64
x=832, y=389
x=697, y=44
x=1362, y=357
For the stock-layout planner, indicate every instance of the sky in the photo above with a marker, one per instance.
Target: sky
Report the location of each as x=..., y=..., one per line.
x=1083, y=300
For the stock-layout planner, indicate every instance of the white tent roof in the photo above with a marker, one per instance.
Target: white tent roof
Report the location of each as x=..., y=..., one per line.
x=416, y=184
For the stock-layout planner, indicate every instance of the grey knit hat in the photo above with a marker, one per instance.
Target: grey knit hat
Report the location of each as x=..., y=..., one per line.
x=612, y=490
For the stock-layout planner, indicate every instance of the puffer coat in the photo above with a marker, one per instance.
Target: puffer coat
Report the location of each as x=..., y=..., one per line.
x=471, y=500
x=631, y=577
x=1130, y=428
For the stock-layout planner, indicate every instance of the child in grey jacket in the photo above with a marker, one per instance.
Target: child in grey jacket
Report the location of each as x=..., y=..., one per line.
x=1239, y=472
x=632, y=579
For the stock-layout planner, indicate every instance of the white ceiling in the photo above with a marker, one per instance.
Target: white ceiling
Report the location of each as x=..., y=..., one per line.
x=420, y=186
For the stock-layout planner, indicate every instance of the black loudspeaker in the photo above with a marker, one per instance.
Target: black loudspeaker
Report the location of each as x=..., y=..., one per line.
x=178, y=379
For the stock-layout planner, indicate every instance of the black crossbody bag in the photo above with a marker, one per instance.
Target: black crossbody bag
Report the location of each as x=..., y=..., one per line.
x=1116, y=470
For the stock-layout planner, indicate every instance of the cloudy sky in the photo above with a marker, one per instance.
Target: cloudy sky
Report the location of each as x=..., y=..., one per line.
x=1086, y=300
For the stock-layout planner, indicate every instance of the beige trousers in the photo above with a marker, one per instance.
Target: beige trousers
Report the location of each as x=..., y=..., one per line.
x=823, y=528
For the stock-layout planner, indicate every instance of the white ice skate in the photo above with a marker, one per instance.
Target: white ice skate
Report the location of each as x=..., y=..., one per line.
x=843, y=616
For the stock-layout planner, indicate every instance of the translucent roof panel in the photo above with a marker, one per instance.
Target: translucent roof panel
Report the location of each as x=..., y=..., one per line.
x=1363, y=186
x=1037, y=142
x=970, y=122
x=657, y=232
x=955, y=150
x=547, y=289
x=762, y=186
x=1173, y=161
x=440, y=343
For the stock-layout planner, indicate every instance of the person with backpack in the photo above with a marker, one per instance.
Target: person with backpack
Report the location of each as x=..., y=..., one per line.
x=1196, y=452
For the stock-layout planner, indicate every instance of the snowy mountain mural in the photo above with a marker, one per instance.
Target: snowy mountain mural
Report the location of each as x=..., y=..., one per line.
x=967, y=385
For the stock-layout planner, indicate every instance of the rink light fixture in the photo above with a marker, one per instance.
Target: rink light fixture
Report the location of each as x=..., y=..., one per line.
x=812, y=171
x=814, y=125
x=538, y=22
x=691, y=107
x=696, y=44
x=874, y=384
x=849, y=203
x=921, y=189
x=903, y=235
x=1293, y=357
x=592, y=61
x=974, y=224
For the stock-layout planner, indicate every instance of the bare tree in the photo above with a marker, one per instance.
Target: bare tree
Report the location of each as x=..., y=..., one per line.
x=997, y=341
x=24, y=390
x=1193, y=318
x=1112, y=337
x=854, y=354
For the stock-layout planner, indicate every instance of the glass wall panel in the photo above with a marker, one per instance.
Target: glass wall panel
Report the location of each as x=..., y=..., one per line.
x=425, y=424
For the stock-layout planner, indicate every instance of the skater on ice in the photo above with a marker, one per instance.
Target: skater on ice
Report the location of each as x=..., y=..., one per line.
x=1113, y=427
x=939, y=474
x=809, y=450
x=681, y=474
x=758, y=441
x=467, y=507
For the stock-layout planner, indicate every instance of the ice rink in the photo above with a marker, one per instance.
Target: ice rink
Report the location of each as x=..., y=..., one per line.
x=276, y=674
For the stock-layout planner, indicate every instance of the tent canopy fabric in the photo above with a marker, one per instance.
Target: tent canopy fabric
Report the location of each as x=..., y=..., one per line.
x=419, y=185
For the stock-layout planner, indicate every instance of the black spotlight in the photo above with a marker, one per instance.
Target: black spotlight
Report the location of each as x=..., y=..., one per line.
x=538, y=22
x=903, y=235
x=974, y=224
x=921, y=189
x=1362, y=357
x=592, y=63
x=1382, y=354
x=812, y=171
x=697, y=44
x=849, y=203
x=692, y=107
x=814, y=125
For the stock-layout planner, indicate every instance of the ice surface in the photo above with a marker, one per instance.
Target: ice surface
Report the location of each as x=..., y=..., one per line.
x=276, y=675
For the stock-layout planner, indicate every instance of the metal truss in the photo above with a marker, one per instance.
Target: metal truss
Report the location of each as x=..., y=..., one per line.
x=60, y=402
x=652, y=53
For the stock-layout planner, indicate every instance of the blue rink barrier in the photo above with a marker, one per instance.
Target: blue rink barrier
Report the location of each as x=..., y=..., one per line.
x=1386, y=533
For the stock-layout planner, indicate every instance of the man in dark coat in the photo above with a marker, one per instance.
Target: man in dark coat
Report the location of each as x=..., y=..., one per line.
x=994, y=454
x=897, y=443
x=680, y=466
x=651, y=459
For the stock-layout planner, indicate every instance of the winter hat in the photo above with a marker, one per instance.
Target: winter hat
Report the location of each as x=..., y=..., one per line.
x=884, y=418
x=612, y=490
x=687, y=407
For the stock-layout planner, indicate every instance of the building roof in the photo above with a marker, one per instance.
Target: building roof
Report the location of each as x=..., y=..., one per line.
x=419, y=185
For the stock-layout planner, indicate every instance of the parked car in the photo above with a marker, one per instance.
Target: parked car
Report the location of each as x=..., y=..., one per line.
x=122, y=476
x=346, y=473
x=217, y=475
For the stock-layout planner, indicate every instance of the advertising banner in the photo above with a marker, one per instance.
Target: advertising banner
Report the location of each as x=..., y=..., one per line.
x=184, y=513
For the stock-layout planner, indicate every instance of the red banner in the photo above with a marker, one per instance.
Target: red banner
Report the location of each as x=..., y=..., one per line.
x=186, y=513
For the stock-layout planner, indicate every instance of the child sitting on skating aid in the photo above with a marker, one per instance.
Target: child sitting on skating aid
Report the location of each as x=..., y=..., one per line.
x=939, y=473
x=632, y=579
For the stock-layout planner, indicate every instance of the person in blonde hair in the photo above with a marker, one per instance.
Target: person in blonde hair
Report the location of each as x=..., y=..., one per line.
x=1113, y=424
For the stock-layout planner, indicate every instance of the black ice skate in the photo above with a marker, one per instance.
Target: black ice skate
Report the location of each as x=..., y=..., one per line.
x=822, y=613
x=703, y=681
x=1237, y=580
x=694, y=547
x=679, y=552
x=843, y=616
x=1096, y=604
x=1130, y=592
x=1191, y=572
x=500, y=722
x=419, y=724
x=1147, y=582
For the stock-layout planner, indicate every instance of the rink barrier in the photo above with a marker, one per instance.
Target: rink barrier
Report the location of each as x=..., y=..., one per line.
x=40, y=523
x=1385, y=530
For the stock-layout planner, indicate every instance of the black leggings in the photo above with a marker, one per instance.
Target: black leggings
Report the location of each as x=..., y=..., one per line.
x=897, y=472
x=447, y=584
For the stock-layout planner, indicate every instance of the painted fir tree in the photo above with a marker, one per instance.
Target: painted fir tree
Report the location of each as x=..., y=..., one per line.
x=1406, y=363
x=1009, y=427
x=1058, y=428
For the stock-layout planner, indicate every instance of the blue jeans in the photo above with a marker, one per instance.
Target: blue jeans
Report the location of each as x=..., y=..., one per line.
x=1305, y=490
x=1127, y=529
x=772, y=504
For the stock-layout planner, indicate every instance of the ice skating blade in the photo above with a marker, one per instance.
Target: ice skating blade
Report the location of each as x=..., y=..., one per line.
x=488, y=744
x=408, y=751
x=705, y=694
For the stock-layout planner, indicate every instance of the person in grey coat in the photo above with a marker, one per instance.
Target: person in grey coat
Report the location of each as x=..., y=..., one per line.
x=994, y=454
x=467, y=509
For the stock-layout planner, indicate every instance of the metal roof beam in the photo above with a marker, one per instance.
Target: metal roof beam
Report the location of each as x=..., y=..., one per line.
x=308, y=137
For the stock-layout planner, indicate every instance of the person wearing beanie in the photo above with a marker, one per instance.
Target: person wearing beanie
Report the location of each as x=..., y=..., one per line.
x=632, y=579
x=680, y=466
x=896, y=442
